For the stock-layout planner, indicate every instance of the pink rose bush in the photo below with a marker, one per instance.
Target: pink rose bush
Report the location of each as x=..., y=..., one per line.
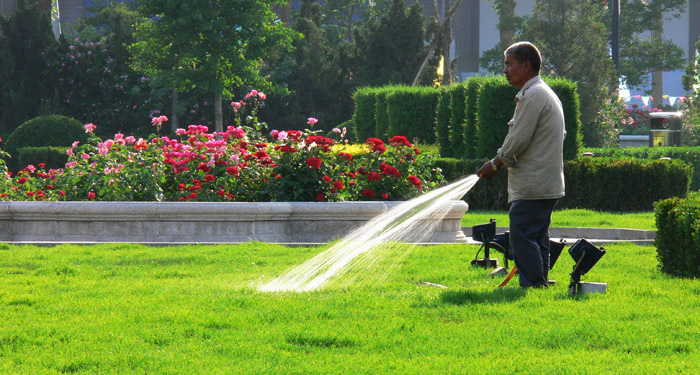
x=242, y=163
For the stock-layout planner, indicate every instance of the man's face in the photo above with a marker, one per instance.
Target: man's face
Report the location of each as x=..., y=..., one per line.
x=516, y=72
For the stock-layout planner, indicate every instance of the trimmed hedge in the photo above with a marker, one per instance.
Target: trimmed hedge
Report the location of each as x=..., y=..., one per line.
x=363, y=118
x=567, y=92
x=597, y=184
x=690, y=155
x=411, y=113
x=473, y=87
x=468, y=120
x=458, y=111
x=53, y=157
x=495, y=107
x=442, y=124
x=678, y=235
x=381, y=117
x=51, y=130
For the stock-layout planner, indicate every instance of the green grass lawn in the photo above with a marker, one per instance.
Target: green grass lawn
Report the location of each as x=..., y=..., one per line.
x=132, y=309
x=573, y=218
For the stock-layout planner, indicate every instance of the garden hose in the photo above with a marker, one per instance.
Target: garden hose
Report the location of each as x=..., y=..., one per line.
x=510, y=276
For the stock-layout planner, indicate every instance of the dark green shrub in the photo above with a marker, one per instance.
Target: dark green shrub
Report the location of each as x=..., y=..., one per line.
x=495, y=108
x=597, y=184
x=678, y=235
x=623, y=185
x=473, y=87
x=442, y=124
x=566, y=91
x=363, y=118
x=412, y=112
x=52, y=157
x=690, y=155
x=458, y=113
x=51, y=130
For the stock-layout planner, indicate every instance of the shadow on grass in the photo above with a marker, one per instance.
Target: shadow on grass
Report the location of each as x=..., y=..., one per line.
x=467, y=297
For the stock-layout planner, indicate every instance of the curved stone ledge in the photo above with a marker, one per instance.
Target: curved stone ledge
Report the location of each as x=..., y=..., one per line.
x=201, y=222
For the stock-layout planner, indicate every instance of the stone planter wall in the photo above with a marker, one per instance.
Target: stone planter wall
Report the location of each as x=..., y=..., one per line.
x=174, y=222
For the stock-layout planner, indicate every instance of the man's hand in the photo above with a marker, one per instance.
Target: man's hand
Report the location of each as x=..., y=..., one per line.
x=486, y=170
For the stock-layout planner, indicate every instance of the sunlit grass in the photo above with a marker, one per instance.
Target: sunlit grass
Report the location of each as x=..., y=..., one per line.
x=131, y=309
x=572, y=218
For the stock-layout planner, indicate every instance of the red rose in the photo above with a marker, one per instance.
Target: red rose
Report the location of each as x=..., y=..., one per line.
x=373, y=176
x=319, y=197
x=314, y=162
x=368, y=193
x=22, y=180
x=345, y=155
x=209, y=178
x=385, y=196
x=377, y=144
x=91, y=195
x=233, y=171
x=339, y=185
x=221, y=192
x=203, y=167
x=400, y=140
x=326, y=178
x=415, y=181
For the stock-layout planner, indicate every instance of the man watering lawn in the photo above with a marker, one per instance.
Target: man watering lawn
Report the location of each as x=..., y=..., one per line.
x=532, y=151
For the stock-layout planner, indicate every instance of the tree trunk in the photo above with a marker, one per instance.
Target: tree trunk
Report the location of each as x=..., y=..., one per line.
x=506, y=16
x=436, y=39
x=657, y=77
x=446, y=50
x=174, y=121
x=218, y=116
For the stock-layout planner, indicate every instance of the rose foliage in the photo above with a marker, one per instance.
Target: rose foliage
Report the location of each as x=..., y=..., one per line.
x=243, y=163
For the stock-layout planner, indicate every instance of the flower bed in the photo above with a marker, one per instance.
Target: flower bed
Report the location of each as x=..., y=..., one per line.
x=241, y=164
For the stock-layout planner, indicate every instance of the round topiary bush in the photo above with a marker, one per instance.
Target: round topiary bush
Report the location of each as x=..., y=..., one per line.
x=50, y=130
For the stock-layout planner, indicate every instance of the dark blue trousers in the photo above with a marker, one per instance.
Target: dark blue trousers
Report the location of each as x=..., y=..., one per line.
x=529, y=239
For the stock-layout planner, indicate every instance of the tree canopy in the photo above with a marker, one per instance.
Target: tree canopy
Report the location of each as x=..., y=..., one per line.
x=215, y=45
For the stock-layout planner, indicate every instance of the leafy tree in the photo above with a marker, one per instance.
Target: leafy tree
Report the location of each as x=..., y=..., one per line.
x=639, y=55
x=27, y=85
x=315, y=75
x=692, y=72
x=391, y=46
x=574, y=47
x=96, y=83
x=214, y=45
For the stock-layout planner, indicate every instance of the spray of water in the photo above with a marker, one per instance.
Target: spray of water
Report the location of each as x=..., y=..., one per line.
x=382, y=243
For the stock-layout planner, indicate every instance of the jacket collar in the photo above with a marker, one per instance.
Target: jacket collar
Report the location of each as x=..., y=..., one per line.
x=531, y=82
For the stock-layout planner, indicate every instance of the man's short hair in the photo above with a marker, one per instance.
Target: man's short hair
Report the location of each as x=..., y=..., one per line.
x=526, y=51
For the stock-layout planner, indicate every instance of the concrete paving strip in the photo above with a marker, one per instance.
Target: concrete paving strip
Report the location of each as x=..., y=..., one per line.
x=593, y=235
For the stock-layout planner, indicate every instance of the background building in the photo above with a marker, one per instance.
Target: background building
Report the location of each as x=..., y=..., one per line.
x=474, y=30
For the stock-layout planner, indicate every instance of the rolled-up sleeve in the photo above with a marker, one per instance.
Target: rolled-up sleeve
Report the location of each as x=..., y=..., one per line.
x=522, y=128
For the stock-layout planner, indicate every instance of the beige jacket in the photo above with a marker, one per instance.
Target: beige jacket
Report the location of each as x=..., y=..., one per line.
x=533, y=148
